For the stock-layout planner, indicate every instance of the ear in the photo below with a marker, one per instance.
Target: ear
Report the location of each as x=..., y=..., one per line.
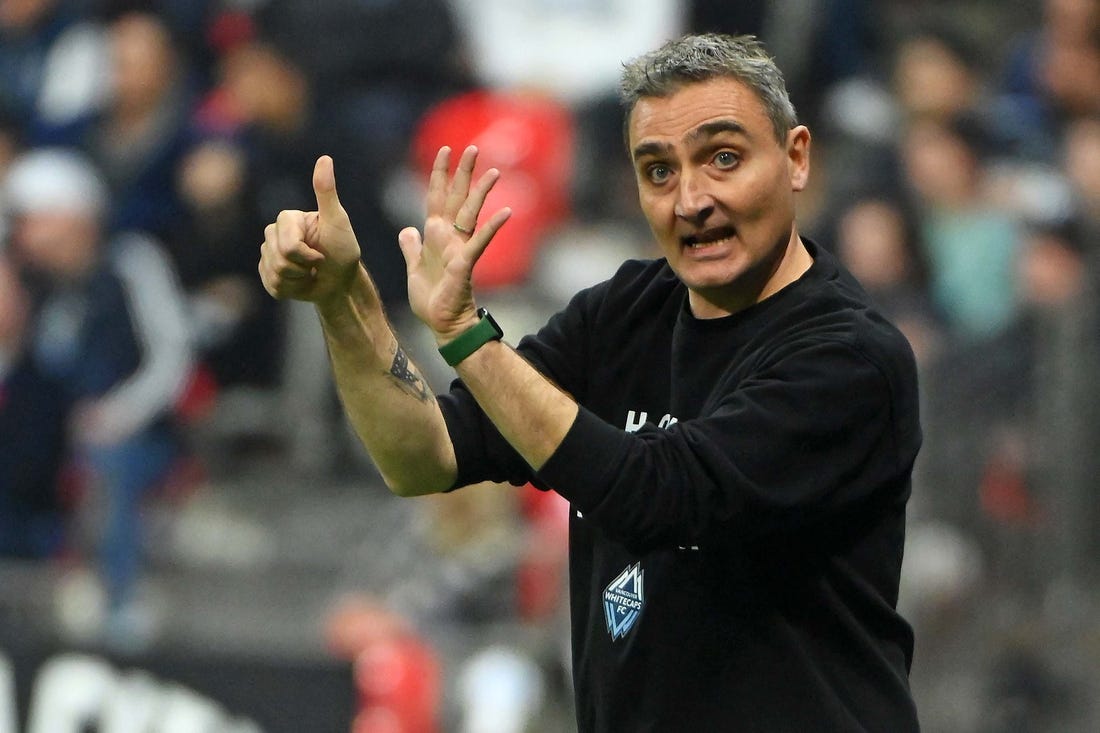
x=798, y=156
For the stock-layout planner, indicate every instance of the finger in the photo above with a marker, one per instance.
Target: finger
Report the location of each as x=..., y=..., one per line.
x=290, y=244
x=272, y=262
x=279, y=278
x=437, y=183
x=324, y=188
x=411, y=245
x=480, y=241
x=471, y=209
x=269, y=234
x=267, y=278
x=460, y=185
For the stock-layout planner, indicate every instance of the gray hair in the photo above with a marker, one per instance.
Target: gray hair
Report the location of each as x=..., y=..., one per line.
x=697, y=58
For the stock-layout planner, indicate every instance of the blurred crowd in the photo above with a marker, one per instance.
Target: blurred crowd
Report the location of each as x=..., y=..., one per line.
x=145, y=144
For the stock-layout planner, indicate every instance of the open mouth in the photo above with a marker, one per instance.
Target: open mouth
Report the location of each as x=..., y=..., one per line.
x=708, y=237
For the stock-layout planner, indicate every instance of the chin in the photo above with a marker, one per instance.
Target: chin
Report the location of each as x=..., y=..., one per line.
x=703, y=276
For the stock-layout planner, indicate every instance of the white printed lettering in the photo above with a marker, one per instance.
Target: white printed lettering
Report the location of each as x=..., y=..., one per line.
x=73, y=692
x=634, y=421
x=133, y=705
x=69, y=693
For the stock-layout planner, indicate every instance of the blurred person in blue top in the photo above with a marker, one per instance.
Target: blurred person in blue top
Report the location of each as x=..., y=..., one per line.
x=970, y=242
x=109, y=324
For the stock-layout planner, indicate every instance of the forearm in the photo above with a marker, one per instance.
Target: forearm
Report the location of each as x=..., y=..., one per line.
x=531, y=412
x=387, y=399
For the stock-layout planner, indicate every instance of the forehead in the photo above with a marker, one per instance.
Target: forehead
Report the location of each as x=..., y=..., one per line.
x=673, y=118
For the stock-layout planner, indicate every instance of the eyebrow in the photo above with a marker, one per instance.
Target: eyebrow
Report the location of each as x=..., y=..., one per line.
x=706, y=130
x=712, y=129
x=651, y=148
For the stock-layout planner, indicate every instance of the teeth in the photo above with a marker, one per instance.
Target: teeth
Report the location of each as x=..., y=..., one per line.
x=701, y=245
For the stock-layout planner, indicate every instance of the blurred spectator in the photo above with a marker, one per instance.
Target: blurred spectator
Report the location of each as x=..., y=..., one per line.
x=1063, y=315
x=992, y=418
x=140, y=138
x=970, y=246
x=287, y=127
x=356, y=95
x=287, y=124
x=110, y=325
x=53, y=64
x=397, y=672
x=354, y=91
x=933, y=74
x=190, y=22
x=876, y=240
x=573, y=53
x=33, y=411
x=1081, y=162
x=529, y=138
x=1053, y=75
x=936, y=75
x=233, y=326
x=1051, y=264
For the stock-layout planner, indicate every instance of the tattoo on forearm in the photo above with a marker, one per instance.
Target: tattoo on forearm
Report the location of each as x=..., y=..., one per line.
x=407, y=379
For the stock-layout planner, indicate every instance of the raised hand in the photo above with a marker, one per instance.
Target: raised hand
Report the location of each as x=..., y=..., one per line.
x=441, y=261
x=311, y=255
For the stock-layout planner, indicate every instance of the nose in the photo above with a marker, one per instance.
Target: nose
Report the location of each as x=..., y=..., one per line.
x=695, y=203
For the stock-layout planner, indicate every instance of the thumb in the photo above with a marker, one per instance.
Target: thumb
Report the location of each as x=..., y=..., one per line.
x=410, y=243
x=324, y=187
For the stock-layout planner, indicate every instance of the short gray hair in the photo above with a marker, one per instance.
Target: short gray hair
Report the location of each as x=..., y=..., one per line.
x=697, y=58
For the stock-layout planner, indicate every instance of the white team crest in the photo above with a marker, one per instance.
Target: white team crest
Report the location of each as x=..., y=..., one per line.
x=623, y=600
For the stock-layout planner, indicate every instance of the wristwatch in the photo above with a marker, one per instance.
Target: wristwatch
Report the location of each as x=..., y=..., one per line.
x=472, y=339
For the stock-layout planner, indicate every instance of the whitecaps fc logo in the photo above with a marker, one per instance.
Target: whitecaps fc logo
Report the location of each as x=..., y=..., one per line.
x=623, y=600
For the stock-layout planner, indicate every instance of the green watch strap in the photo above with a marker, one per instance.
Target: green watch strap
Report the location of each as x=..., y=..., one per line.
x=472, y=339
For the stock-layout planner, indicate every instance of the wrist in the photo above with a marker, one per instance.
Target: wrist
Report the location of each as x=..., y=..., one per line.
x=358, y=294
x=456, y=329
x=482, y=331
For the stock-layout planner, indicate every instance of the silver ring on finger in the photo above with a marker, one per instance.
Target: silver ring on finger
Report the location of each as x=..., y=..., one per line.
x=460, y=228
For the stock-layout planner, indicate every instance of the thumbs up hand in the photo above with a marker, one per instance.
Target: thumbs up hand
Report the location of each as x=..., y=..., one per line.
x=311, y=255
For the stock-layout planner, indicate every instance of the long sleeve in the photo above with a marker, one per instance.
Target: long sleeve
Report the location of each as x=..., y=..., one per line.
x=158, y=313
x=795, y=444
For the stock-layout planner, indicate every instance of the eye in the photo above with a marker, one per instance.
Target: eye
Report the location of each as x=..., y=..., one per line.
x=726, y=160
x=657, y=173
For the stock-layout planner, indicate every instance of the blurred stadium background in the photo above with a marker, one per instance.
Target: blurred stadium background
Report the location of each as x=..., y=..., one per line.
x=211, y=551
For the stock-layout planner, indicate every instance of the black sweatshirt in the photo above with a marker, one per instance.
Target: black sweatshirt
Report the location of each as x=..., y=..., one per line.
x=738, y=490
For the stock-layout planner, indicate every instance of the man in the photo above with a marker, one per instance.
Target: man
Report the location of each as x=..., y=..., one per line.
x=110, y=326
x=734, y=551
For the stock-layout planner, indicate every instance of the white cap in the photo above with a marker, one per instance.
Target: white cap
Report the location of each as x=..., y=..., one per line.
x=54, y=180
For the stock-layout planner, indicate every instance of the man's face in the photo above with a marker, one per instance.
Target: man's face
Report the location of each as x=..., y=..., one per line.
x=60, y=244
x=718, y=189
